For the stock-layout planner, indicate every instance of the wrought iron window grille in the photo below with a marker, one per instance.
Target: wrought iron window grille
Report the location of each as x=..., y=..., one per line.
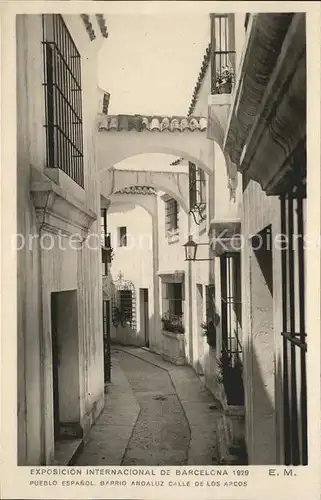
x=294, y=333
x=63, y=99
x=106, y=248
x=124, y=303
x=172, y=307
x=197, y=193
x=222, y=53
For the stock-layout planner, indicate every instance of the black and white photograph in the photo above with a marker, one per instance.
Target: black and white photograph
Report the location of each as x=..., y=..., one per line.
x=162, y=296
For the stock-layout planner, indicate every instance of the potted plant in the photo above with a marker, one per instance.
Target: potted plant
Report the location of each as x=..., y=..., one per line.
x=225, y=79
x=172, y=323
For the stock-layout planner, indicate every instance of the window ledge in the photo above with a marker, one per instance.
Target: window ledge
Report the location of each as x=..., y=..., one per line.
x=57, y=210
x=173, y=335
x=172, y=276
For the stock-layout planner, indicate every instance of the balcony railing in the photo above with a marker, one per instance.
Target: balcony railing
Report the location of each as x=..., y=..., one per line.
x=222, y=54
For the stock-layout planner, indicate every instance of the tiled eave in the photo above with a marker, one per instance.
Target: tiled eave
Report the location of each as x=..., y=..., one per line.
x=267, y=121
x=145, y=190
x=87, y=20
x=200, y=79
x=140, y=123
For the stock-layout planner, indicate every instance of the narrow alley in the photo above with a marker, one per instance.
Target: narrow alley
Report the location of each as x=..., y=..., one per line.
x=155, y=413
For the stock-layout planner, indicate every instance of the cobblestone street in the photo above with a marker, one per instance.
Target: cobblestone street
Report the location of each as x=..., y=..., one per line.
x=155, y=413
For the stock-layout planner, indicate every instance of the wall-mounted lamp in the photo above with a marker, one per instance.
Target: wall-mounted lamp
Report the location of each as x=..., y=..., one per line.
x=191, y=250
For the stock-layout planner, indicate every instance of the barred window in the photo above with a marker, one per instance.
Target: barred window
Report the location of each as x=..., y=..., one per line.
x=172, y=297
x=106, y=248
x=172, y=306
x=126, y=304
x=231, y=307
x=222, y=53
x=63, y=99
x=171, y=214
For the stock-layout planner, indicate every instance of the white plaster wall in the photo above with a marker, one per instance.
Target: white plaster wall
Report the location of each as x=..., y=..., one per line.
x=240, y=36
x=261, y=335
x=42, y=272
x=134, y=261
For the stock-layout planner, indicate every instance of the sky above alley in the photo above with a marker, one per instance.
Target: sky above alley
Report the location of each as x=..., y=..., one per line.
x=150, y=63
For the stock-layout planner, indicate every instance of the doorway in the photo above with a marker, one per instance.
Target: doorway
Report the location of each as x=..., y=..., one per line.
x=144, y=315
x=106, y=334
x=65, y=365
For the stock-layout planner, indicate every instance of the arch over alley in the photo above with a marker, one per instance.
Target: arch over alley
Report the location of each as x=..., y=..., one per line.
x=124, y=136
x=175, y=184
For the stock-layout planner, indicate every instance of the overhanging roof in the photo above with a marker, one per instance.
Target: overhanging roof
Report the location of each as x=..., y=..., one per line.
x=267, y=121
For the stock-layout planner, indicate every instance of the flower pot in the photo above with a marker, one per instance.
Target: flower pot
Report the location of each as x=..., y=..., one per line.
x=225, y=88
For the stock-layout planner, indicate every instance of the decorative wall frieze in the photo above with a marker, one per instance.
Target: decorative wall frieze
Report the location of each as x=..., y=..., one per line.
x=140, y=123
x=57, y=211
x=268, y=116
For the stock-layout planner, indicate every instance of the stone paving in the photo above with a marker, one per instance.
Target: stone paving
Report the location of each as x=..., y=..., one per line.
x=155, y=413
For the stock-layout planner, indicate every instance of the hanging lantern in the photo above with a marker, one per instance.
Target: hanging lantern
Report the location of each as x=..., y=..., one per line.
x=190, y=249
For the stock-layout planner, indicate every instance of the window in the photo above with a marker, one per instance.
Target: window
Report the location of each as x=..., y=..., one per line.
x=294, y=333
x=172, y=305
x=222, y=52
x=126, y=304
x=171, y=215
x=122, y=236
x=197, y=193
x=63, y=99
x=231, y=306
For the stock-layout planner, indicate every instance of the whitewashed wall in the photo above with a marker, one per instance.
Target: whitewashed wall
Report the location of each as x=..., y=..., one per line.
x=135, y=261
x=42, y=272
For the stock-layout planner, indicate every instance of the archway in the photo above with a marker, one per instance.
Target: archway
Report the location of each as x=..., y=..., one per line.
x=188, y=140
x=175, y=184
x=146, y=251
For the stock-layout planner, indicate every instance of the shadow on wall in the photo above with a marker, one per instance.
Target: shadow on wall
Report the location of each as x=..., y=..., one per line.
x=249, y=434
